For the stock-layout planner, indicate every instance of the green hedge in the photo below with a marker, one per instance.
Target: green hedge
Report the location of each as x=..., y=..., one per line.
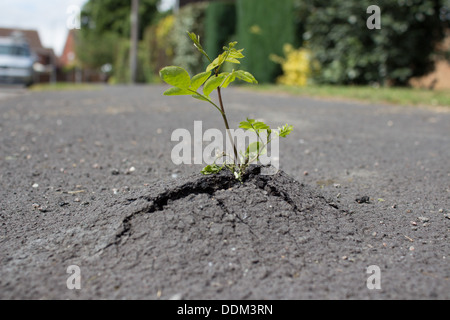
x=264, y=26
x=350, y=53
x=220, y=26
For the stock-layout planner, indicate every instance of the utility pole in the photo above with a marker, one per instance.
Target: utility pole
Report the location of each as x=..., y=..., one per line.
x=176, y=6
x=134, y=39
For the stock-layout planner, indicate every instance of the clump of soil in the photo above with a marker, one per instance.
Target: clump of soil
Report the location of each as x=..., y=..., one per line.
x=214, y=237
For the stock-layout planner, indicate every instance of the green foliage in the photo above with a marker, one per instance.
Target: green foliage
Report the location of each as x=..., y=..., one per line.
x=104, y=36
x=253, y=125
x=95, y=50
x=102, y=16
x=229, y=55
x=285, y=131
x=189, y=17
x=220, y=25
x=264, y=26
x=350, y=53
x=176, y=76
x=211, y=79
x=211, y=169
x=121, y=63
x=160, y=47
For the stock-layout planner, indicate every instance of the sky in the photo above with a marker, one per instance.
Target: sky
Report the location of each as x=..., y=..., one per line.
x=48, y=17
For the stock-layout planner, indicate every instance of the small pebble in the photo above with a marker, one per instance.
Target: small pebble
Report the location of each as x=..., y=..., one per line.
x=35, y=185
x=364, y=199
x=43, y=209
x=132, y=169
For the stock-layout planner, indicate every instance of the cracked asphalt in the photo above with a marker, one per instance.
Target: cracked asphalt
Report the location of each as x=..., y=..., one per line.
x=86, y=179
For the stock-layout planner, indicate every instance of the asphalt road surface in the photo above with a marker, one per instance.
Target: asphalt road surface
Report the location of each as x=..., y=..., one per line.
x=87, y=180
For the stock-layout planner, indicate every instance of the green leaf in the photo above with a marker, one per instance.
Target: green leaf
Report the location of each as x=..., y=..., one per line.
x=176, y=76
x=217, y=62
x=232, y=60
x=229, y=55
x=285, y=130
x=247, y=125
x=199, y=79
x=177, y=92
x=229, y=79
x=245, y=76
x=199, y=97
x=193, y=37
x=211, y=169
x=235, y=54
x=253, y=125
x=196, y=40
x=260, y=126
x=213, y=83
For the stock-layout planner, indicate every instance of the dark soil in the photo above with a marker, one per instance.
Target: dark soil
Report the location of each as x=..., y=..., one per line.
x=86, y=180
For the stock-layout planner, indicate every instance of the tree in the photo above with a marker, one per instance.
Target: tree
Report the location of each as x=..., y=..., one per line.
x=102, y=16
x=104, y=26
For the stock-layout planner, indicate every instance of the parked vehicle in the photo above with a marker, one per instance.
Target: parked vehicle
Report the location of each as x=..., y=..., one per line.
x=16, y=62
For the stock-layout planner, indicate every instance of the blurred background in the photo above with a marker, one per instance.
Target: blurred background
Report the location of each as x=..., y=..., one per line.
x=288, y=42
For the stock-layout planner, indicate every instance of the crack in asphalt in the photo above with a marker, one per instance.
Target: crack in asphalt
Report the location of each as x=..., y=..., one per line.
x=158, y=203
x=204, y=185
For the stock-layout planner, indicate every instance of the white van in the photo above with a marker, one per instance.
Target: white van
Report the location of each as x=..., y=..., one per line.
x=16, y=62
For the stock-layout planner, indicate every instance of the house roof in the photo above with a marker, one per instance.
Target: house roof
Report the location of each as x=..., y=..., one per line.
x=68, y=54
x=34, y=41
x=32, y=37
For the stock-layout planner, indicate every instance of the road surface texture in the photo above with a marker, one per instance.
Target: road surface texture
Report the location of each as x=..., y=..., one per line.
x=359, y=210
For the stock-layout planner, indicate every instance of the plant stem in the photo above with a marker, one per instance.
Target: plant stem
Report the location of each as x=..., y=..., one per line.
x=225, y=120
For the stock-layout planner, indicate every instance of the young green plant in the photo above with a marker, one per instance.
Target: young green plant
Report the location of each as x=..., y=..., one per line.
x=212, y=79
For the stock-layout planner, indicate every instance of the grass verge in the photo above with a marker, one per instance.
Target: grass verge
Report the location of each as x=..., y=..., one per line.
x=398, y=96
x=64, y=86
